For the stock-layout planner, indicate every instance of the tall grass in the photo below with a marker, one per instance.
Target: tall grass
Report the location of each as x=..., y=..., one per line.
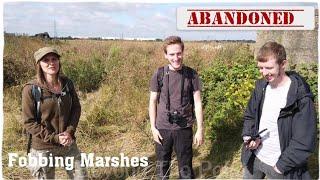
x=112, y=79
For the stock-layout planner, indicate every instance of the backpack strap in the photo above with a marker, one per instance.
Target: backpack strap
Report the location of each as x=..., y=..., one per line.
x=67, y=90
x=168, y=86
x=182, y=83
x=189, y=73
x=160, y=74
x=36, y=94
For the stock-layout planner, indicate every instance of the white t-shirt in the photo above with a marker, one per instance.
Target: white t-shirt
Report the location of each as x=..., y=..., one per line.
x=275, y=99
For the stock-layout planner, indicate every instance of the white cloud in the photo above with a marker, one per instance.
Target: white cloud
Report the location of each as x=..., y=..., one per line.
x=94, y=19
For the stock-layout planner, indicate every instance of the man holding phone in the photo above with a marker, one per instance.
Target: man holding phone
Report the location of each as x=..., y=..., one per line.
x=279, y=130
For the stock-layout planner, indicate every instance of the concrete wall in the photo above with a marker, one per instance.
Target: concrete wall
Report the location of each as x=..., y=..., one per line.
x=301, y=46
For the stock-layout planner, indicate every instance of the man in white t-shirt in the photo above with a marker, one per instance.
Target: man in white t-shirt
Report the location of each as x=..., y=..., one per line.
x=280, y=121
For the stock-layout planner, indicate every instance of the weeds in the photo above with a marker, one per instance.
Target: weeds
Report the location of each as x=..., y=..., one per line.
x=113, y=79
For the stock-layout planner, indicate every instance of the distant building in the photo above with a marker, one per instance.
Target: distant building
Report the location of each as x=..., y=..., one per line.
x=44, y=35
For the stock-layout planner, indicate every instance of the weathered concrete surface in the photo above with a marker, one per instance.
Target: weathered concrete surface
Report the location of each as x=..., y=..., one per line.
x=301, y=46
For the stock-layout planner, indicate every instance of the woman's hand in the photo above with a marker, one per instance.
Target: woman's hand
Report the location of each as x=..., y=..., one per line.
x=65, y=139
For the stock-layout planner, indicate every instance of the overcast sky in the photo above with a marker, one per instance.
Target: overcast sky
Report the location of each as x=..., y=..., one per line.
x=107, y=19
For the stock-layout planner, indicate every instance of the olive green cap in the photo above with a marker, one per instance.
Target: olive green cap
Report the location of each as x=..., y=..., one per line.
x=38, y=55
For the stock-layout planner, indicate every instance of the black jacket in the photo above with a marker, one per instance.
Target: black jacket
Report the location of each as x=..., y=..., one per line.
x=296, y=126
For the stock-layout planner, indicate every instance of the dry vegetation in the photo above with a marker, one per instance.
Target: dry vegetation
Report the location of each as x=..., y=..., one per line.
x=115, y=116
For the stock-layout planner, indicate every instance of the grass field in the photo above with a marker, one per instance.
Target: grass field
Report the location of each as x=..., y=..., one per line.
x=115, y=111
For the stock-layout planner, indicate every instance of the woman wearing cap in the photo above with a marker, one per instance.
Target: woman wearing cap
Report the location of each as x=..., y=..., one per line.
x=52, y=134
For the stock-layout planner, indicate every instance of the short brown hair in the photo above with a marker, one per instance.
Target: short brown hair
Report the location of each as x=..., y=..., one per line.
x=172, y=40
x=272, y=49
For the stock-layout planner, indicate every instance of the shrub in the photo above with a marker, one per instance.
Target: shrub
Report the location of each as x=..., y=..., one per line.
x=86, y=74
x=310, y=72
x=16, y=72
x=227, y=85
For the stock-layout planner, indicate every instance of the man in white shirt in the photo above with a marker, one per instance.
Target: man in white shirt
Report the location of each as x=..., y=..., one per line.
x=280, y=122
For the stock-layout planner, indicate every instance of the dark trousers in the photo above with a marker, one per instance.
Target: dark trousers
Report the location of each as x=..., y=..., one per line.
x=260, y=170
x=181, y=142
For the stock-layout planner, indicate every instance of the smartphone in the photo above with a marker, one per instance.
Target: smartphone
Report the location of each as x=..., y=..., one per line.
x=161, y=141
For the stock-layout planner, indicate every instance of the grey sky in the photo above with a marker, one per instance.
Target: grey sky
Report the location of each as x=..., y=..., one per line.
x=108, y=19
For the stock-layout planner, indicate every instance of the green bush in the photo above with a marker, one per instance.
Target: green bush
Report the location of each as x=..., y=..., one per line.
x=86, y=74
x=16, y=72
x=310, y=72
x=227, y=85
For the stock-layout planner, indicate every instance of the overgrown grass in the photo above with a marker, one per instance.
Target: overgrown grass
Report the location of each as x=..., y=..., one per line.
x=112, y=79
x=87, y=74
